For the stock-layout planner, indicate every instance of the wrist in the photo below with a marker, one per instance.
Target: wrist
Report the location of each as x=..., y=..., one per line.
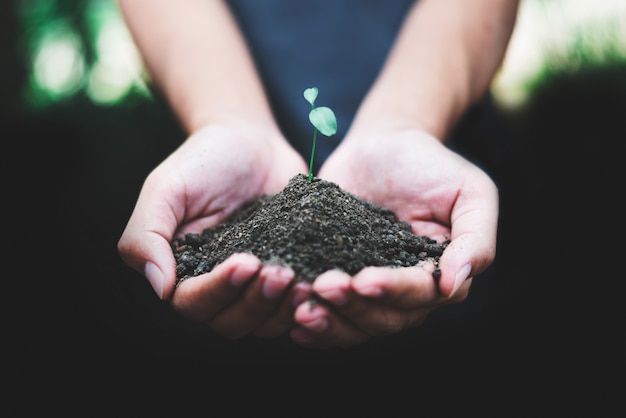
x=397, y=108
x=377, y=123
x=205, y=117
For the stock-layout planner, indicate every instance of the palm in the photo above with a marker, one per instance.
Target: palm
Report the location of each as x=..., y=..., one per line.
x=412, y=174
x=209, y=180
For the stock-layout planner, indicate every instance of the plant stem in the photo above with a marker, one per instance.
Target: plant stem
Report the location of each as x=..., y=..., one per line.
x=312, y=154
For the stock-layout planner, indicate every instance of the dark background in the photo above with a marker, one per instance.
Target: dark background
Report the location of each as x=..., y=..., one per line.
x=554, y=346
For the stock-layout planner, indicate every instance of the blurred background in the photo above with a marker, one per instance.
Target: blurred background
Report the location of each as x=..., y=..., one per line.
x=83, y=128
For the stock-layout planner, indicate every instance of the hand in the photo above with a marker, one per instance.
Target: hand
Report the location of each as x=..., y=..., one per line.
x=211, y=175
x=442, y=196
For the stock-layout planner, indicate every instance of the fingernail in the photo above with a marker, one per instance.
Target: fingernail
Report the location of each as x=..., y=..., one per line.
x=372, y=291
x=302, y=292
x=367, y=286
x=240, y=276
x=460, y=277
x=335, y=296
x=318, y=323
x=247, y=268
x=155, y=277
x=274, y=285
x=332, y=287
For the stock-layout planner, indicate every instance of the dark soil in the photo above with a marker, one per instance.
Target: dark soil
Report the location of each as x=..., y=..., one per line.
x=313, y=227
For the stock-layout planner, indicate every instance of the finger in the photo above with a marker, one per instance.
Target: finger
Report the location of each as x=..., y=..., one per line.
x=201, y=297
x=260, y=299
x=282, y=320
x=402, y=288
x=145, y=243
x=473, y=238
x=318, y=327
x=374, y=316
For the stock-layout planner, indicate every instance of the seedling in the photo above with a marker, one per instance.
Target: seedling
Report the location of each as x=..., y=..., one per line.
x=323, y=120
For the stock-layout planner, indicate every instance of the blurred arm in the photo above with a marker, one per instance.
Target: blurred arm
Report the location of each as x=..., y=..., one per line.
x=198, y=58
x=443, y=60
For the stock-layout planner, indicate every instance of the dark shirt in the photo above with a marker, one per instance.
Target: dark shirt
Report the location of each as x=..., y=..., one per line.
x=337, y=46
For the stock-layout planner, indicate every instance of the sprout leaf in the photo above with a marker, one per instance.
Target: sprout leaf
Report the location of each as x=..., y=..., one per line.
x=310, y=95
x=323, y=119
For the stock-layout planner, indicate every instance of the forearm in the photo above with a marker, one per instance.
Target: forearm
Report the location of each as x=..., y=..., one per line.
x=443, y=61
x=196, y=56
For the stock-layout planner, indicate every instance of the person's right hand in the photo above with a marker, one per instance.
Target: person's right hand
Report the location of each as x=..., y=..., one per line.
x=211, y=175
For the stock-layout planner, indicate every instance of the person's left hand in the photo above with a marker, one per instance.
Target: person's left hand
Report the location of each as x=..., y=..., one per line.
x=441, y=195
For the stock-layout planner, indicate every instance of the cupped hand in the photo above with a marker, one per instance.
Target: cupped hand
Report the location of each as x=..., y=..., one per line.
x=211, y=175
x=349, y=310
x=441, y=195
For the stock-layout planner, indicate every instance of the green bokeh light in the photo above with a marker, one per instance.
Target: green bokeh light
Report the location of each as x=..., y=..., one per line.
x=58, y=69
x=82, y=47
x=81, y=50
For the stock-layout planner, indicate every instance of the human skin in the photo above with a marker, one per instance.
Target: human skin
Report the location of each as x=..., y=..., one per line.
x=393, y=154
x=443, y=61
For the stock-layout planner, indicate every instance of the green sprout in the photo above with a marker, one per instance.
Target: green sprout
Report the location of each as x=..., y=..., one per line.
x=323, y=120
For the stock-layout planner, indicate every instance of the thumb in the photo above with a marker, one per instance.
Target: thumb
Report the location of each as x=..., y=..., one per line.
x=151, y=255
x=473, y=245
x=463, y=259
x=145, y=245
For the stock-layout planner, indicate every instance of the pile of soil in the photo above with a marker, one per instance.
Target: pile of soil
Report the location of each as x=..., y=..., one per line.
x=313, y=227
